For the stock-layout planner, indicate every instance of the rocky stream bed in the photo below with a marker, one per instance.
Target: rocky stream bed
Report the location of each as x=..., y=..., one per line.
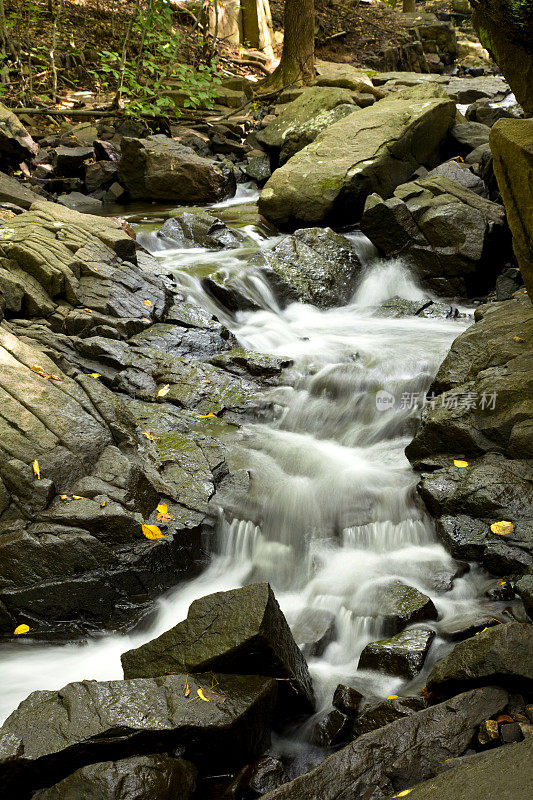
x=265, y=452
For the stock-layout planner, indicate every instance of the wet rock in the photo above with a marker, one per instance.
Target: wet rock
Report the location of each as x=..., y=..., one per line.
x=300, y=122
x=330, y=729
x=80, y=202
x=159, y=168
x=106, y=151
x=453, y=239
x=326, y=181
x=197, y=229
x=512, y=145
x=100, y=175
x=242, y=631
x=460, y=173
x=467, y=136
x=156, y=777
x=403, y=654
x=257, y=779
x=70, y=161
x=313, y=630
x=511, y=732
x=500, y=655
x=508, y=283
x=314, y=265
x=258, y=168
x=399, y=307
x=524, y=587
x=16, y=144
x=12, y=191
x=398, y=755
x=52, y=734
x=467, y=624
x=247, y=363
x=503, y=772
x=380, y=714
x=347, y=699
x=398, y=605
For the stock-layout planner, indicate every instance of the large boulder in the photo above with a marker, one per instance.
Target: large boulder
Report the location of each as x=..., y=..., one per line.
x=52, y=734
x=241, y=631
x=158, y=168
x=505, y=29
x=16, y=144
x=300, y=122
x=505, y=772
x=314, y=265
x=187, y=229
x=152, y=777
x=403, y=654
x=453, y=239
x=397, y=605
x=373, y=150
x=397, y=755
x=511, y=142
x=500, y=655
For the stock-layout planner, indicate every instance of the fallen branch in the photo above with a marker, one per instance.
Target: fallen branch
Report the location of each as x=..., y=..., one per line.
x=247, y=62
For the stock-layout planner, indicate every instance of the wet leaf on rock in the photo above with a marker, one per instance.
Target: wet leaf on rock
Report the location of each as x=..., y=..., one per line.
x=460, y=464
x=36, y=470
x=150, y=435
x=152, y=532
x=21, y=629
x=162, y=513
x=147, y=303
x=95, y=375
x=187, y=687
x=164, y=390
x=518, y=339
x=206, y=416
x=502, y=528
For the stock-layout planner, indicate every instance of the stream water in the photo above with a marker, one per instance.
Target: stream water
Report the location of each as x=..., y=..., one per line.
x=331, y=489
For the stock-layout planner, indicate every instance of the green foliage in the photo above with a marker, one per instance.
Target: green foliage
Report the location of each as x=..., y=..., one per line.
x=145, y=76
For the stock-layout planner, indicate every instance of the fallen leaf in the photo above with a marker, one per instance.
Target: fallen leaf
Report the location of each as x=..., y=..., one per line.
x=206, y=416
x=21, y=629
x=162, y=513
x=65, y=498
x=95, y=375
x=36, y=470
x=55, y=377
x=460, y=464
x=187, y=687
x=393, y=697
x=89, y=310
x=39, y=370
x=147, y=303
x=504, y=718
x=152, y=532
x=502, y=527
x=502, y=583
x=209, y=694
x=518, y=339
x=103, y=504
x=201, y=695
x=402, y=794
x=150, y=435
x=78, y=497
x=482, y=631
x=164, y=390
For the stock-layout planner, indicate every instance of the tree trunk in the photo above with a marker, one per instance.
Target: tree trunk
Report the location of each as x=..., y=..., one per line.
x=297, y=59
x=409, y=6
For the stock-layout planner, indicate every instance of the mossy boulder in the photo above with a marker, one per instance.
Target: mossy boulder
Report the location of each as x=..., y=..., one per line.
x=511, y=142
x=403, y=654
x=373, y=150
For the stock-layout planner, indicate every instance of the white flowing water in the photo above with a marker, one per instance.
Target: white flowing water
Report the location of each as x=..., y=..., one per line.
x=332, y=515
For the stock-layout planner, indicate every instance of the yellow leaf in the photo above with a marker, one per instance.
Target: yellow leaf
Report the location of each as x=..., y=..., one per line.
x=39, y=370
x=201, y=695
x=55, y=377
x=187, y=687
x=518, y=339
x=147, y=303
x=503, y=527
x=36, y=470
x=393, y=697
x=206, y=416
x=65, y=498
x=95, y=375
x=460, y=464
x=150, y=435
x=162, y=508
x=402, y=794
x=103, y=504
x=502, y=583
x=152, y=532
x=21, y=629
x=482, y=631
x=164, y=390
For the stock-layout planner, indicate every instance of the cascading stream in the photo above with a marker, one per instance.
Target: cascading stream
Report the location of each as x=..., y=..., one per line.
x=332, y=515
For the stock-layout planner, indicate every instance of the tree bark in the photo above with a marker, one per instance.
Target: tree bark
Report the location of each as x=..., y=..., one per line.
x=409, y=6
x=297, y=59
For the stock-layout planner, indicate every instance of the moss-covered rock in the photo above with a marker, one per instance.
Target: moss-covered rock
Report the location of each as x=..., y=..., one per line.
x=403, y=654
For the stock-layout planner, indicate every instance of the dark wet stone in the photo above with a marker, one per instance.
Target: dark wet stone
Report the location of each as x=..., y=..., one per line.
x=242, y=630
x=379, y=714
x=257, y=779
x=398, y=755
x=347, y=699
x=331, y=728
x=403, y=654
x=52, y=734
x=524, y=587
x=399, y=605
x=505, y=772
x=196, y=229
x=152, y=777
x=69, y=161
x=500, y=655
